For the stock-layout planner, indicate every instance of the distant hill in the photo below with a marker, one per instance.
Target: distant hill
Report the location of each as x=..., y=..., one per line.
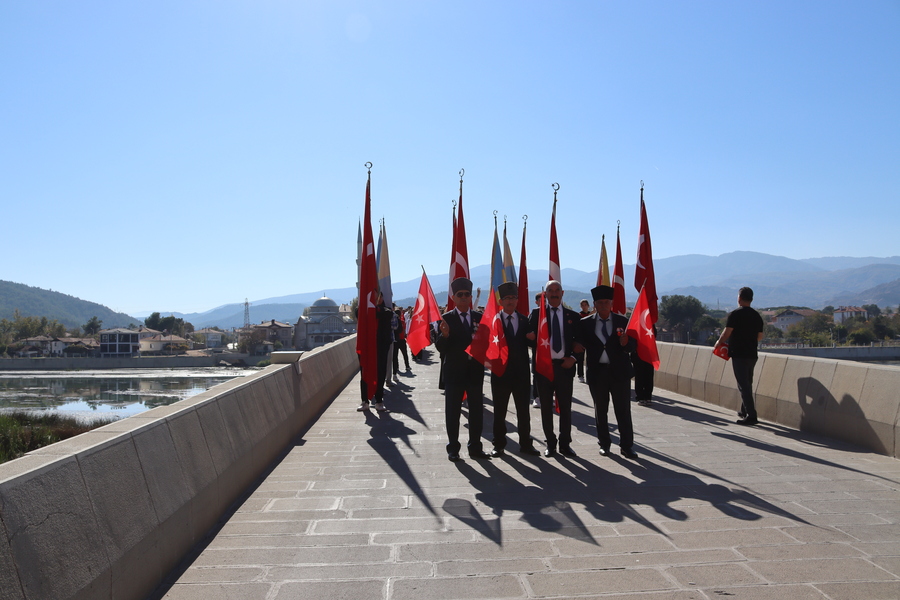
x=68, y=310
x=714, y=280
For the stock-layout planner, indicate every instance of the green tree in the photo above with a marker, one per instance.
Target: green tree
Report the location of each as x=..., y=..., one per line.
x=872, y=309
x=814, y=330
x=680, y=312
x=92, y=327
x=828, y=310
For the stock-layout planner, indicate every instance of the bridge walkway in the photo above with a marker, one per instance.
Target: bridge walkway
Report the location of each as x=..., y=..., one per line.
x=367, y=505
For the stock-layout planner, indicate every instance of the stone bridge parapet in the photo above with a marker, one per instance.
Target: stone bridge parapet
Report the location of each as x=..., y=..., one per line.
x=109, y=513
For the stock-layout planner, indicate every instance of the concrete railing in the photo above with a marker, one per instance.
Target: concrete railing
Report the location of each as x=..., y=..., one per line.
x=855, y=402
x=109, y=513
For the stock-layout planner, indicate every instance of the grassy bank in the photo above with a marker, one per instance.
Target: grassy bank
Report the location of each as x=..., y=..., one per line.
x=24, y=431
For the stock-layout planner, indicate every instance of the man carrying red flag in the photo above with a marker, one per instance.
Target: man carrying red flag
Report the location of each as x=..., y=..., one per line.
x=609, y=369
x=515, y=379
x=424, y=314
x=462, y=374
x=554, y=327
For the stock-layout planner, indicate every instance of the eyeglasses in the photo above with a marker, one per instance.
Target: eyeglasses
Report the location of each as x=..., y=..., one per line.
x=509, y=298
x=463, y=294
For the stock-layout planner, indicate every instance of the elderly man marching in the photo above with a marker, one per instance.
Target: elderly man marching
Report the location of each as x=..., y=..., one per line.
x=516, y=379
x=562, y=324
x=463, y=375
x=609, y=369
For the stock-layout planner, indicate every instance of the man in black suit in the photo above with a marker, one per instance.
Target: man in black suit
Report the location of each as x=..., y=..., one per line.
x=609, y=369
x=562, y=324
x=516, y=378
x=462, y=374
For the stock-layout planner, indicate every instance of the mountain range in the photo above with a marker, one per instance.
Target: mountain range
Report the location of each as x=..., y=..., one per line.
x=714, y=280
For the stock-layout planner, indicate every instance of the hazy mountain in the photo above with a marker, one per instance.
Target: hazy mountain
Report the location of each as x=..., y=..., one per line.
x=835, y=263
x=68, y=310
x=714, y=280
x=883, y=295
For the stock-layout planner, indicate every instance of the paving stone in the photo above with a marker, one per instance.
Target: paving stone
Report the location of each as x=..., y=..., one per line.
x=863, y=590
x=458, y=588
x=383, y=570
x=821, y=570
x=219, y=591
x=332, y=590
x=766, y=592
x=577, y=583
x=728, y=574
x=368, y=506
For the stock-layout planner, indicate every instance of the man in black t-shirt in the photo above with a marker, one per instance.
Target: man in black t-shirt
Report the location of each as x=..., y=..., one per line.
x=743, y=331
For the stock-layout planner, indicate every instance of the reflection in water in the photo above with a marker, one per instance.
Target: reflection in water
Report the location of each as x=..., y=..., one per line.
x=123, y=392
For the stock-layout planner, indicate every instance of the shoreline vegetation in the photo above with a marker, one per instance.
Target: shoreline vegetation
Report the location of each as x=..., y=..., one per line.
x=22, y=431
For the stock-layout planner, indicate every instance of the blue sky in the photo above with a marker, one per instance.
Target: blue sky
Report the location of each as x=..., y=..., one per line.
x=184, y=155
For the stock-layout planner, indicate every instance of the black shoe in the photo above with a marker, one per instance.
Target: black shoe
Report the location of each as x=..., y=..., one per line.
x=530, y=450
x=496, y=452
x=604, y=451
x=629, y=453
x=549, y=451
x=567, y=451
x=747, y=421
x=453, y=456
x=479, y=454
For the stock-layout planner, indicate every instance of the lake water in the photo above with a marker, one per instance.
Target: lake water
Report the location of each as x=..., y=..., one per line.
x=120, y=393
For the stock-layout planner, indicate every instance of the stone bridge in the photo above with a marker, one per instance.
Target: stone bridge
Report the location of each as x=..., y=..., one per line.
x=274, y=486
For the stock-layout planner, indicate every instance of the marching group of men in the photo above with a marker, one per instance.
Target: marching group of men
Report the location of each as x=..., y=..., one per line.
x=593, y=343
x=600, y=335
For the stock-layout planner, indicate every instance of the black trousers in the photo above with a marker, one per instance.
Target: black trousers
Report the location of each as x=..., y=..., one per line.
x=518, y=386
x=562, y=386
x=400, y=346
x=643, y=379
x=743, y=374
x=455, y=386
x=603, y=387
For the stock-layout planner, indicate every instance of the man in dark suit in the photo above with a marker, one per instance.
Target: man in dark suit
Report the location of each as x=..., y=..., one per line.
x=609, y=369
x=516, y=378
x=562, y=324
x=462, y=374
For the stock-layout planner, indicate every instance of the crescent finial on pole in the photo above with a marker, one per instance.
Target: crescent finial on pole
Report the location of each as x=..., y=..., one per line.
x=555, y=187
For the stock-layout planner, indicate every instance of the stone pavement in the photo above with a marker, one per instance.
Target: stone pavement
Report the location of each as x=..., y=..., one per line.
x=367, y=506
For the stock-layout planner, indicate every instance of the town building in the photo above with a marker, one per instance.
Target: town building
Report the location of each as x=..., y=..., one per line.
x=164, y=344
x=791, y=316
x=213, y=338
x=119, y=342
x=323, y=323
x=845, y=313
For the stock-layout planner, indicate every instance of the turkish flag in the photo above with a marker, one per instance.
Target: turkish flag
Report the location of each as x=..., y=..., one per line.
x=643, y=270
x=543, y=361
x=424, y=314
x=489, y=342
x=618, y=281
x=367, y=323
x=555, y=274
x=459, y=260
x=640, y=327
x=524, y=305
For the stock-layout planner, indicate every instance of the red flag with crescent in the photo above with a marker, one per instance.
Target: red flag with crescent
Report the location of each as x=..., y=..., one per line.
x=640, y=327
x=643, y=270
x=424, y=314
x=367, y=324
x=489, y=342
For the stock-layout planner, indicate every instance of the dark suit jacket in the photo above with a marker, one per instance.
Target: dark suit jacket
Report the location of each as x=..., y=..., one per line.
x=457, y=363
x=619, y=359
x=518, y=364
x=570, y=326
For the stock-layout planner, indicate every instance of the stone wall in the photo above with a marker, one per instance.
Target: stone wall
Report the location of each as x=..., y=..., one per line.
x=851, y=401
x=109, y=513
